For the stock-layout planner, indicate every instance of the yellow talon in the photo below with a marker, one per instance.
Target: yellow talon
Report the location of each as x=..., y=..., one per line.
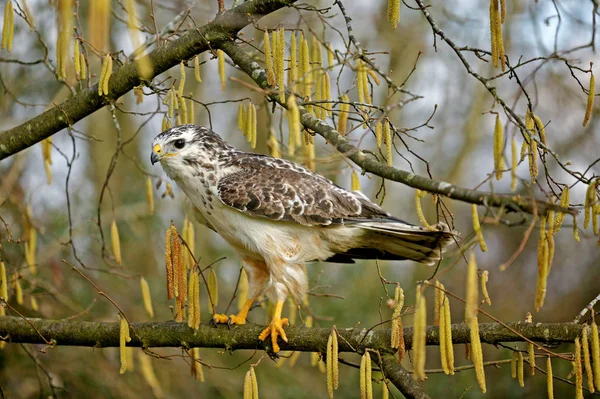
x=275, y=328
x=239, y=318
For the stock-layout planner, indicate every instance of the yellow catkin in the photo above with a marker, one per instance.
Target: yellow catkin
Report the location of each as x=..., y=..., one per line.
x=590, y=100
x=196, y=367
x=248, y=385
x=116, y=242
x=30, y=250
x=332, y=363
x=165, y=123
x=326, y=90
x=393, y=12
x=378, y=133
x=438, y=294
x=77, y=60
x=191, y=116
x=183, y=111
x=531, y=356
x=309, y=152
x=293, y=63
x=343, y=115
x=540, y=128
x=65, y=33
x=319, y=110
x=588, y=208
x=359, y=81
x=365, y=82
x=446, y=335
x=3, y=283
x=477, y=228
x=316, y=58
x=440, y=318
x=268, y=59
x=279, y=61
x=8, y=28
x=513, y=164
x=542, y=278
x=213, y=288
x=254, y=382
x=366, y=383
x=565, y=199
x=303, y=67
x=170, y=236
x=595, y=353
x=273, y=145
x=532, y=153
x=242, y=291
x=149, y=375
x=181, y=86
x=18, y=289
x=484, y=279
x=578, y=370
x=520, y=371
x=387, y=137
x=418, y=195
x=123, y=339
x=190, y=240
x=472, y=295
x=419, y=330
x=34, y=304
x=253, y=127
x=585, y=346
x=242, y=117
x=477, y=353
x=149, y=196
x=194, y=301
x=355, y=185
x=575, y=230
x=222, y=76
x=549, y=378
x=197, y=69
x=293, y=124
x=83, y=64
x=493, y=32
x=147, y=299
x=498, y=147
x=103, y=75
x=397, y=332
x=513, y=364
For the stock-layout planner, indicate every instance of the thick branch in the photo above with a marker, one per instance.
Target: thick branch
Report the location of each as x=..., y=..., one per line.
x=224, y=27
x=510, y=202
x=300, y=338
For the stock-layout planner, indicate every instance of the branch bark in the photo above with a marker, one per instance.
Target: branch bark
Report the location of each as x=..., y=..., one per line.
x=224, y=27
x=300, y=338
x=510, y=202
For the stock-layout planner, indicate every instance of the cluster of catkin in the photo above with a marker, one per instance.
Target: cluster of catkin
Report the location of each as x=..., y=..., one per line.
x=178, y=109
x=180, y=262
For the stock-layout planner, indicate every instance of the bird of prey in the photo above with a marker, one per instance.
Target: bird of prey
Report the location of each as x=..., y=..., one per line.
x=277, y=216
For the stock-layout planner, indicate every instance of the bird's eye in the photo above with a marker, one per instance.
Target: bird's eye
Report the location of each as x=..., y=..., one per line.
x=180, y=143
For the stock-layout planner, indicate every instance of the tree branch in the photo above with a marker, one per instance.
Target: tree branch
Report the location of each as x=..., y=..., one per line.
x=510, y=202
x=300, y=338
x=224, y=27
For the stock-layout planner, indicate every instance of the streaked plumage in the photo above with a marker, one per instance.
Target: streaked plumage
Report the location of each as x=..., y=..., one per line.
x=278, y=215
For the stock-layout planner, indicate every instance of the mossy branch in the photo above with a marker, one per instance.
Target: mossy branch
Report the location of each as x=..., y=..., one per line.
x=511, y=202
x=224, y=27
x=300, y=338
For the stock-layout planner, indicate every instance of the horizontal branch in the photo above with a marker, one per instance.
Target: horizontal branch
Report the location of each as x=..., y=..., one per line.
x=300, y=338
x=511, y=202
x=224, y=27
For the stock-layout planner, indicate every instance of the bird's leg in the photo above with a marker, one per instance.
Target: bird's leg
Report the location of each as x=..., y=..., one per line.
x=239, y=318
x=275, y=328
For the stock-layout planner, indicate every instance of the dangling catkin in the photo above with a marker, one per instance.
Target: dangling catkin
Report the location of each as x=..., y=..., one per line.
x=393, y=12
x=477, y=228
x=222, y=76
x=578, y=370
x=147, y=299
x=585, y=344
x=596, y=353
x=343, y=115
x=116, y=242
x=549, y=378
x=513, y=165
x=8, y=28
x=477, y=353
x=590, y=100
x=387, y=137
x=498, y=147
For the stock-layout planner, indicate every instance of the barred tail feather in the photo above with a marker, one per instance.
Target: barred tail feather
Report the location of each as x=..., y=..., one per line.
x=396, y=240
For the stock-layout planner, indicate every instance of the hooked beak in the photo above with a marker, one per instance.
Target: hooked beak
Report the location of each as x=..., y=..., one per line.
x=156, y=154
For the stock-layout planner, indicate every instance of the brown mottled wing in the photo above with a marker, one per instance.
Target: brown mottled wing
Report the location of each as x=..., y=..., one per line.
x=280, y=190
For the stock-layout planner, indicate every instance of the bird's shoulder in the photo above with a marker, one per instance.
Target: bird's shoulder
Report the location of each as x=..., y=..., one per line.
x=278, y=189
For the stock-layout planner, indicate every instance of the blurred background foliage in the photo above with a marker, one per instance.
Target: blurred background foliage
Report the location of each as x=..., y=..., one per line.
x=457, y=142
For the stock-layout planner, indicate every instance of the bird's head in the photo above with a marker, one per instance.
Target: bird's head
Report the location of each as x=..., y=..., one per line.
x=187, y=146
